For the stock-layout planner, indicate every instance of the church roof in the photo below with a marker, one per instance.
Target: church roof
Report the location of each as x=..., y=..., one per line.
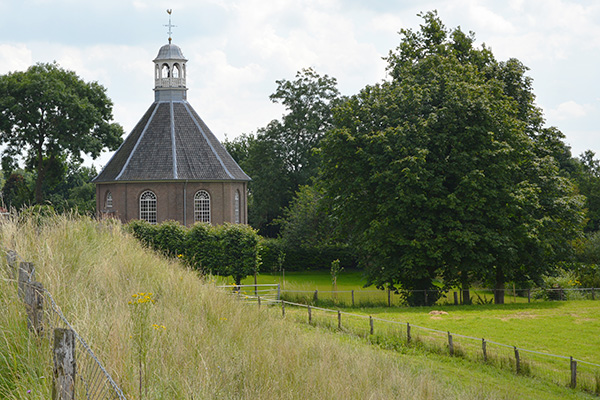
x=171, y=142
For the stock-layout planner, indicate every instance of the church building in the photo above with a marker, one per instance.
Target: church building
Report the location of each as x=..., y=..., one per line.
x=171, y=166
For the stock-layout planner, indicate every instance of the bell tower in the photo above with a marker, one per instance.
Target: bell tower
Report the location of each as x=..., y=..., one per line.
x=170, y=71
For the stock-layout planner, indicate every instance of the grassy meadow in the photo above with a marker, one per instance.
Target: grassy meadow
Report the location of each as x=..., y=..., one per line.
x=207, y=345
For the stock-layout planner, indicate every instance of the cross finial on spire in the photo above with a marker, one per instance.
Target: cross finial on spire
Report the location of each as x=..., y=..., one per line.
x=170, y=25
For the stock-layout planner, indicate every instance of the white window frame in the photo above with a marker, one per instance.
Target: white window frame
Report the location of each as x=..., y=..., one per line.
x=109, y=200
x=148, y=202
x=202, y=206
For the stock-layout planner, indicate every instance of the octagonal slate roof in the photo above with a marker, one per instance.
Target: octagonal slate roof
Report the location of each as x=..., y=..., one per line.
x=171, y=142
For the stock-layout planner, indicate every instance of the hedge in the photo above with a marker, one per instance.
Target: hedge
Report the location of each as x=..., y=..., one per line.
x=225, y=250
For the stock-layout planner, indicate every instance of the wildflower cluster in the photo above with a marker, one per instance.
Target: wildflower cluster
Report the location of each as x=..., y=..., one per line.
x=141, y=298
x=159, y=327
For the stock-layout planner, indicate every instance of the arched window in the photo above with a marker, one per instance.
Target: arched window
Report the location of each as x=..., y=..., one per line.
x=176, y=71
x=108, y=203
x=202, y=206
x=148, y=206
x=236, y=206
x=157, y=72
x=166, y=73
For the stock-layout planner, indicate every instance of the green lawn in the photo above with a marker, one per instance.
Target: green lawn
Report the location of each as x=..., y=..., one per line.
x=565, y=328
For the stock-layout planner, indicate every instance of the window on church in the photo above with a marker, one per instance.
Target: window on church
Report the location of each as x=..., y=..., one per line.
x=175, y=71
x=108, y=200
x=236, y=206
x=148, y=206
x=202, y=206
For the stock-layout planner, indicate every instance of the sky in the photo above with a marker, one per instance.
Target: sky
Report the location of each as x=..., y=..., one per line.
x=238, y=49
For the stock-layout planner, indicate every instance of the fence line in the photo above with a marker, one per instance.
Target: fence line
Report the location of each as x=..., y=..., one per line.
x=389, y=297
x=511, y=356
x=91, y=381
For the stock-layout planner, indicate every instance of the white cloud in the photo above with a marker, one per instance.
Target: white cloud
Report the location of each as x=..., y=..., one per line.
x=14, y=58
x=569, y=110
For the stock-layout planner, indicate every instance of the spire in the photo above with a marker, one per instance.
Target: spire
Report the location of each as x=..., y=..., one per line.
x=170, y=25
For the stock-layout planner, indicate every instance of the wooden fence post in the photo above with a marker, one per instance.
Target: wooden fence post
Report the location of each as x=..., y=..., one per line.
x=278, y=291
x=518, y=360
x=371, y=325
x=573, y=373
x=316, y=296
x=309, y=315
x=455, y=298
x=258, y=301
x=529, y=295
x=352, y=298
x=389, y=297
x=408, y=338
x=282, y=308
x=484, y=348
x=65, y=366
x=26, y=275
x=450, y=344
x=255, y=284
x=593, y=294
x=426, y=302
x=339, y=320
x=34, y=304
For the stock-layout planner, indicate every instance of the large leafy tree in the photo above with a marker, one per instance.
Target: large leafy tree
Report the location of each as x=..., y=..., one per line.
x=438, y=172
x=48, y=113
x=280, y=157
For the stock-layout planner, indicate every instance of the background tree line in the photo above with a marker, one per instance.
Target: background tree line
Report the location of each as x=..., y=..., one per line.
x=442, y=176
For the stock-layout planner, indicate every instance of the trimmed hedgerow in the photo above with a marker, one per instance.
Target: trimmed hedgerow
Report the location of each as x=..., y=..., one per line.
x=226, y=250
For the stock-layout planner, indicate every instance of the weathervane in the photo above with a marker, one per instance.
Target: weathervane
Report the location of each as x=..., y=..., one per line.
x=169, y=11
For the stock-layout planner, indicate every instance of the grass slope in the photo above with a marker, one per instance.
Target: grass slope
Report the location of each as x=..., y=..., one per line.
x=212, y=346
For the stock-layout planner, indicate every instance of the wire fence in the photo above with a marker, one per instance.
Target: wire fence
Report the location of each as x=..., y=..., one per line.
x=558, y=369
x=373, y=298
x=92, y=381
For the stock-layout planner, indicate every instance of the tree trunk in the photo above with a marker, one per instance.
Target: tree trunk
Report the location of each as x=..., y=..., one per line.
x=499, y=287
x=42, y=168
x=466, y=294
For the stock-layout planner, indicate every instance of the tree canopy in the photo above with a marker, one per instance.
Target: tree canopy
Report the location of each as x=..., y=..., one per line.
x=446, y=170
x=280, y=157
x=49, y=114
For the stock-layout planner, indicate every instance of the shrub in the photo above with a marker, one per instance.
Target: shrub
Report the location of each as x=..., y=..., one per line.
x=271, y=253
x=170, y=238
x=201, y=248
x=239, y=251
x=143, y=231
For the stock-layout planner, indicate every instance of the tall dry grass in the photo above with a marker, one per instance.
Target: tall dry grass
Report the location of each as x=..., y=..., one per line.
x=211, y=347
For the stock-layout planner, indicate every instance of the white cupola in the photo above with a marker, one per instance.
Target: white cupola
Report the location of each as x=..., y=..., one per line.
x=169, y=74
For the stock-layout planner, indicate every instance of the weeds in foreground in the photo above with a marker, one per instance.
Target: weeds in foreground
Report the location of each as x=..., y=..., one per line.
x=140, y=316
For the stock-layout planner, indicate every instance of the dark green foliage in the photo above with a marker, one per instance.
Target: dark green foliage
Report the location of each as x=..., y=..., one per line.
x=144, y=231
x=587, y=267
x=16, y=191
x=238, y=250
x=226, y=250
x=202, y=249
x=305, y=258
x=445, y=171
x=272, y=255
x=587, y=176
x=170, y=238
x=48, y=115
